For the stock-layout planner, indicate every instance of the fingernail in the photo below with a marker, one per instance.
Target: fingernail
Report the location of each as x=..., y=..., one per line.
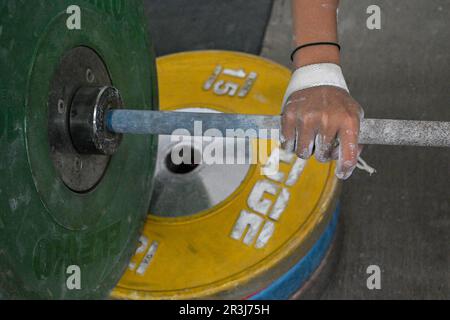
x=344, y=174
x=306, y=153
x=340, y=175
x=289, y=145
x=348, y=174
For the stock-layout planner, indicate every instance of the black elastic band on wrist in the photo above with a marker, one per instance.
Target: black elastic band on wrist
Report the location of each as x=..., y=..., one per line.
x=314, y=44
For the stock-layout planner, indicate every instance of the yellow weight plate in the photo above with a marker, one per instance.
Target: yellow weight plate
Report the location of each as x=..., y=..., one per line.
x=259, y=230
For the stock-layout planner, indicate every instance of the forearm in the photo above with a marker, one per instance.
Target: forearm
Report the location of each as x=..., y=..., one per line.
x=318, y=110
x=315, y=21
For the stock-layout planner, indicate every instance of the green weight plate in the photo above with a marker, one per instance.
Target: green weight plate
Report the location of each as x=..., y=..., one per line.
x=46, y=225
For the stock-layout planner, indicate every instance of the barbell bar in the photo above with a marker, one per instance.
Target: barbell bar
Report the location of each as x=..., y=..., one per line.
x=98, y=121
x=373, y=131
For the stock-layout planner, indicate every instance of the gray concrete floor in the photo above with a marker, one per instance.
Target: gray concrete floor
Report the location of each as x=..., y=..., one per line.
x=398, y=219
x=184, y=25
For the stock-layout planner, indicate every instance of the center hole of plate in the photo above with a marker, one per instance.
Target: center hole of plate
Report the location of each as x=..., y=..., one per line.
x=184, y=167
x=200, y=187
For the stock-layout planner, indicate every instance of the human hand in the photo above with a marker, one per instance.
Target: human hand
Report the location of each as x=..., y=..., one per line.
x=323, y=120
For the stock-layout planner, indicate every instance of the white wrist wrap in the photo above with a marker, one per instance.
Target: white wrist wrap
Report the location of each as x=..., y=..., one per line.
x=315, y=75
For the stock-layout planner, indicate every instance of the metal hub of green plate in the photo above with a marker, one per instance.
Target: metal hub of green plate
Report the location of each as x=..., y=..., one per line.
x=50, y=235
